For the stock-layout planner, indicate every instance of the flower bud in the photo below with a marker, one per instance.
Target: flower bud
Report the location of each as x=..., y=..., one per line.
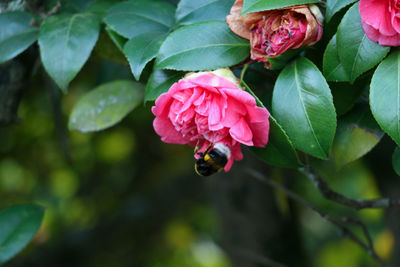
x=273, y=32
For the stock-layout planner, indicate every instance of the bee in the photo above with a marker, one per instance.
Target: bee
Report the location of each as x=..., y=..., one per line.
x=212, y=160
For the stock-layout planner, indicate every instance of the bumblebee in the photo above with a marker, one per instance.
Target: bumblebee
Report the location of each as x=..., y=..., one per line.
x=212, y=160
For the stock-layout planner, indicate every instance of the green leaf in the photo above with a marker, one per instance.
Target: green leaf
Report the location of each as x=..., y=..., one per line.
x=302, y=103
x=333, y=68
x=117, y=39
x=396, y=161
x=141, y=49
x=159, y=82
x=279, y=150
x=71, y=6
x=107, y=49
x=356, y=135
x=333, y=6
x=190, y=11
x=101, y=7
x=250, y=6
x=385, y=95
x=16, y=34
x=136, y=17
x=18, y=226
x=202, y=46
x=66, y=42
x=356, y=52
x=279, y=62
x=105, y=106
x=345, y=95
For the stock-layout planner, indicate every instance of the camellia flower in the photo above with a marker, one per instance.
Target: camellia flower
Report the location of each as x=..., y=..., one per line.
x=273, y=32
x=380, y=20
x=208, y=108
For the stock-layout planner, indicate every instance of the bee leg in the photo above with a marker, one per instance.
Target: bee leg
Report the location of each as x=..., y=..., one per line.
x=196, y=148
x=209, y=147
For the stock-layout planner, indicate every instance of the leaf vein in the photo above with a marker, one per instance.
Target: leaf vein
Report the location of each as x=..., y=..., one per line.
x=304, y=108
x=200, y=47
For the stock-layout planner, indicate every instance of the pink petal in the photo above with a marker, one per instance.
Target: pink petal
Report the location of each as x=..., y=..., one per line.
x=214, y=117
x=236, y=152
x=384, y=40
x=241, y=96
x=389, y=40
x=242, y=132
x=166, y=130
x=234, y=111
x=229, y=164
x=376, y=14
x=259, y=124
x=372, y=33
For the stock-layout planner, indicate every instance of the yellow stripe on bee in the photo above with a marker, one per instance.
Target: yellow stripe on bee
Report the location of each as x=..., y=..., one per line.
x=196, y=170
x=207, y=157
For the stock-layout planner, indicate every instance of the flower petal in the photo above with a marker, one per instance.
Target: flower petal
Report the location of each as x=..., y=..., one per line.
x=241, y=132
x=376, y=14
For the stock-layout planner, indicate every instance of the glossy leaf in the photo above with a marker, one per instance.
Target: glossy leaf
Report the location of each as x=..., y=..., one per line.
x=356, y=52
x=190, y=11
x=333, y=6
x=202, y=46
x=345, y=95
x=141, y=49
x=159, y=82
x=101, y=7
x=107, y=49
x=117, y=39
x=66, y=42
x=136, y=17
x=16, y=34
x=105, y=106
x=385, y=95
x=18, y=226
x=333, y=68
x=279, y=62
x=356, y=135
x=250, y=6
x=279, y=150
x=302, y=103
x=396, y=160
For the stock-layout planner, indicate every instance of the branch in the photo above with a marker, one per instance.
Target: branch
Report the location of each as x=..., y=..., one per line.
x=58, y=118
x=337, y=222
x=358, y=204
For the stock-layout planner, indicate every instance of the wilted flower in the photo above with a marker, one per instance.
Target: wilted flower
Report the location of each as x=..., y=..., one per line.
x=273, y=32
x=380, y=20
x=211, y=108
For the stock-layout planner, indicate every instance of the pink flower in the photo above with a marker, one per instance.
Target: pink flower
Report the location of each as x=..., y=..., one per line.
x=208, y=108
x=273, y=32
x=380, y=20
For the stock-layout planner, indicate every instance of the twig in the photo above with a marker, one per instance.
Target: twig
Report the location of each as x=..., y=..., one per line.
x=337, y=222
x=358, y=204
x=246, y=61
x=58, y=119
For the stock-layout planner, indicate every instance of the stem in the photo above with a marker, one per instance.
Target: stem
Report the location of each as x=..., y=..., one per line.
x=245, y=67
x=357, y=204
